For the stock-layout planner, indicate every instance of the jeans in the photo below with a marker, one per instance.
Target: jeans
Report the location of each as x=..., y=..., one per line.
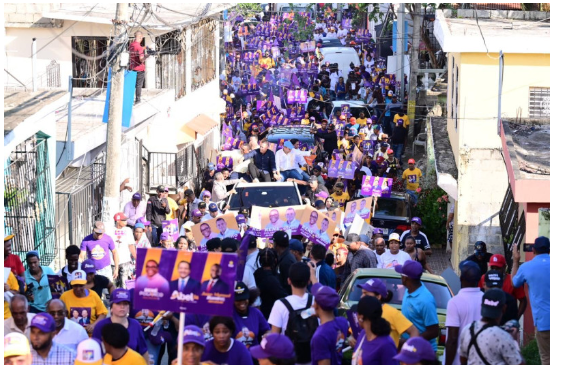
x=398, y=149
x=413, y=196
x=156, y=232
x=153, y=351
x=139, y=84
x=298, y=175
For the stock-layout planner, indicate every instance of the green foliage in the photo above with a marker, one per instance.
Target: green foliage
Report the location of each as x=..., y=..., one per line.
x=531, y=354
x=305, y=27
x=432, y=208
x=248, y=9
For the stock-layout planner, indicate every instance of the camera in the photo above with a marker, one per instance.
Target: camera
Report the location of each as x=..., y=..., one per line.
x=29, y=289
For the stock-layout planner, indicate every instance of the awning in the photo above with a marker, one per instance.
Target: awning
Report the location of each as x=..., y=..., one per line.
x=445, y=163
x=202, y=124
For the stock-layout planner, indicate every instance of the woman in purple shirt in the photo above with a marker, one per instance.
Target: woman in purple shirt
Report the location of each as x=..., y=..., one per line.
x=223, y=349
x=374, y=345
x=249, y=321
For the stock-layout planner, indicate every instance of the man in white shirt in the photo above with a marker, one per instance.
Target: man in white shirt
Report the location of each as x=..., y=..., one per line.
x=123, y=237
x=68, y=333
x=342, y=33
x=134, y=210
x=379, y=249
x=20, y=320
x=393, y=256
x=288, y=161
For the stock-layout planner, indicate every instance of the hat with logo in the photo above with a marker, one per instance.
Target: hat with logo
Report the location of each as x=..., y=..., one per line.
x=213, y=207
x=120, y=217
x=44, y=322
x=542, y=243
x=241, y=292
x=375, y=286
x=494, y=279
x=98, y=227
x=16, y=344
x=470, y=271
x=165, y=236
x=193, y=334
x=161, y=188
x=411, y=161
x=492, y=303
x=497, y=260
x=289, y=145
x=415, y=350
x=240, y=219
x=88, y=266
x=416, y=220
x=479, y=247
x=211, y=166
x=394, y=237
x=136, y=196
x=296, y=245
x=390, y=93
x=281, y=238
x=411, y=269
x=326, y=297
x=202, y=205
x=197, y=213
x=273, y=345
x=120, y=295
x=78, y=277
x=88, y=352
x=189, y=192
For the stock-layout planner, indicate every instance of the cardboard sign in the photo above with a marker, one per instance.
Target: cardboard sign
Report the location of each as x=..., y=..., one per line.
x=184, y=281
x=376, y=186
x=231, y=143
x=342, y=168
x=222, y=227
x=171, y=227
x=267, y=221
x=359, y=207
x=316, y=226
x=346, y=109
x=224, y=162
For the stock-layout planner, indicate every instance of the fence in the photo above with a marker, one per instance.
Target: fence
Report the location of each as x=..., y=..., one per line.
x=171, y=63
x=28, y=200
x=170, y=169
x=203, y=53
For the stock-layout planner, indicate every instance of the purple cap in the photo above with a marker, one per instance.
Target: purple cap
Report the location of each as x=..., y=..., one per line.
x=205, y=193
x=417, y=220
x=325, y=296
x=415, y=350
x=213, y=207
x=322, y=195
x=240, y=219
x=378, y=231
x=197, y=213
x=120, y=295
x=143, y=221
x=88, y=266
x=194, y=334
x=411, y=269
x=273, y=345
x=44, y=322
x=165, y=236
x=136, y=196
x=375, y=286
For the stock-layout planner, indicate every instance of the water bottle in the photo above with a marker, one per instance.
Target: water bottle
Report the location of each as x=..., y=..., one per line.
x=308, y=313
x=156, y=327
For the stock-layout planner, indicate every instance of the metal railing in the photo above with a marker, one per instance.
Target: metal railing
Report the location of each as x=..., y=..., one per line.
x=173, y=170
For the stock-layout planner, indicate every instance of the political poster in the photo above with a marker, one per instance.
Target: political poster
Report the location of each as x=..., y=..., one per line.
x=231, y=143
x=171, y=226
x=368, y=146
x=316, y=226
x=221, y=227
x=359, y=207
x=342, y=168
x=267, y=221
x=58, y=285
x=81, y=315
x=354, y=323
x=345, y=109
x=336, y=216
x=224, y=162
x=227, y=131
x=184, y=281
x=376, y=186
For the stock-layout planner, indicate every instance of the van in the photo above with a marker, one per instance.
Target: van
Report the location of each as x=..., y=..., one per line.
x=298, y=8
x=343, y=56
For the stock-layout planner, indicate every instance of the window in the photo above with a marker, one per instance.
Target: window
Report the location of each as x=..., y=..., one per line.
x=88, y=62
x=171, y=62
x=204, y=55
x=539, y=102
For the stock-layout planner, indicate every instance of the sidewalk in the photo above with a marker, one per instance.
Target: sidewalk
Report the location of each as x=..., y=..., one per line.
x=439, y=261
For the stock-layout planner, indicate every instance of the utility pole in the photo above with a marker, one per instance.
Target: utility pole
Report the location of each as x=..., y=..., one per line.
x=339, y=12
x=114, y=135
x=414, y=65
x=400, y=53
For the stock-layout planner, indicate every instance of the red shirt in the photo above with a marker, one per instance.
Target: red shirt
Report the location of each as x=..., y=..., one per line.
x=517, y=293
x=14, y=263
x=136, y=50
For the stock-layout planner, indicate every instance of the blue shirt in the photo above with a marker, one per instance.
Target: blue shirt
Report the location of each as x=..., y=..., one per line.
x=41, y=296
x=419, y=308
x=536, y=273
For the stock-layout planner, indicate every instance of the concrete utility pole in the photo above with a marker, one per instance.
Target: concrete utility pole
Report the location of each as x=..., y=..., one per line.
x=339, y=12
x=400, y=53
x=111, y=203
x=414, y=66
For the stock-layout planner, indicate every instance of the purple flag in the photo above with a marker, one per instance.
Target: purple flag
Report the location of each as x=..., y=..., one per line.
x=242, y=254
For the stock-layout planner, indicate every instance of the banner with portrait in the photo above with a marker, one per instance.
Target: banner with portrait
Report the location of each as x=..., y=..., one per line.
x=376, y=186
x=267, y=221
x=224, y=162
x=58, y=285
x=171, y=226
x=316, y=226
x=362, y=207
x=342, y=168
x=184, y=281
x=221, y=227
x=231, y=143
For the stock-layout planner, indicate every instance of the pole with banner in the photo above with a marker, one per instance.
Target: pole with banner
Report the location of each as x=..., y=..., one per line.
x=181, y=337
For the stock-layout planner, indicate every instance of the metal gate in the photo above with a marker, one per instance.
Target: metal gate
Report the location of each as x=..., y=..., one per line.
x=28, y=200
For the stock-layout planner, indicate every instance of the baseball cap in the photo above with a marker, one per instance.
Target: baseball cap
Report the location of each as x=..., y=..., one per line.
x=193, y=334
x=136, y=196
x=166, y=189
x=32, y=254
x=139, y=225
x=411, y=269
x=240, y=219
x=241, y=292
x=415, y=350
x=44, y=322
x=281, y=237
x=394, y=237
x=165, y=236
x=188, y=225
x=378, y=231
x=368, y=121
x=417, y=220
x=78, y=277
x=197, y=213
x=88, y=266
x=342, y=117
x=380, y=160
x=312, y=118
x=542, y=243
x=326, y=297
x=9, y=237
x=390, y=151
x=120, y=217
x=497, y=260
x=289, y=145
x=364, y=238
x=313, y=178
x=98, y=227
x=479, y=247
x=273, y=345
x=88, y=352
x=189, y=192
x=470, y=271
x=494, y=279
x=390, y=93
x=211, y=166
x=213, y=207
x=161, y=188
x=16, y=344
x=120, y=295
x=296, y=245
x=375, y=286
x=322, y=195
x=492, y=303
x=202, y=205
x=205, y=193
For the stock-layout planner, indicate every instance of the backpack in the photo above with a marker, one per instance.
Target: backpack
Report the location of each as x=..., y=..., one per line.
x=301, y=330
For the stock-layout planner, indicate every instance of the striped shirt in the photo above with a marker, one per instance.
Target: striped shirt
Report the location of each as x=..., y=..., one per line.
x=58, y=355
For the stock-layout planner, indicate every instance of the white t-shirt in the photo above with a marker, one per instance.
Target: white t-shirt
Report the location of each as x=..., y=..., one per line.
x=279, y=314
x=333, y=80
x=389, y=260
x=463, y=309
x=122, y=239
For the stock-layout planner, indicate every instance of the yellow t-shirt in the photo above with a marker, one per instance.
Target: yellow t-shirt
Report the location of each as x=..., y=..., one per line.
x=342, y=199
x=404, y=120
x=413, y=178
x=305, y=121
x=131, y=357
x=91, y=302
x=398, y=323
x=173, y=209
x=13, y=284
x=361, y=121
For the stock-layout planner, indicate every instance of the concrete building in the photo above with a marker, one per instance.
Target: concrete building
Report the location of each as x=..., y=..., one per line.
x=478, y=179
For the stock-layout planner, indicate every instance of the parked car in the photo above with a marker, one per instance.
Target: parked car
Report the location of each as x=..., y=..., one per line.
x=350, y=294
x=392, y=214
x=331, y=42
x=356, y=107
x=270, y=195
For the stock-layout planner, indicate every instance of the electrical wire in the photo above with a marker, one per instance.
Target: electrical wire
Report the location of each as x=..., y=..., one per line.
x=482, y=34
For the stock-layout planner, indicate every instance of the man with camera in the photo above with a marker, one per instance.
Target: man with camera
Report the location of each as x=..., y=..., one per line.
x=137, y=57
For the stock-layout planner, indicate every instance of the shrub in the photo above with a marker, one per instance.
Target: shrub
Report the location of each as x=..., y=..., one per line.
x=432, y=208
x=531, y=354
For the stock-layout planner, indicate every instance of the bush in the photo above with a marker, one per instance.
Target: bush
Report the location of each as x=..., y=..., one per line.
x=531, y=354
x=432, y=208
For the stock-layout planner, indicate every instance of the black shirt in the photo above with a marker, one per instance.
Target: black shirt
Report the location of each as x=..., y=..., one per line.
x=100, y=283
x=285, y=260
x=511, y=309
x=483, y=262
x=399, y=135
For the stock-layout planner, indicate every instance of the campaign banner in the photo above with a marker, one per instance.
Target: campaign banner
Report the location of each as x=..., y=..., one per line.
x=58, y=285
x=359, y=207
x=297, y=96
x=316, y=226
x=376, y=186
x=231, y=143
x=347, y=23
x=171, y=226
x=224, y=162
x=342, y=168
x=309, y=46
x=368, y=146
x=354, y=323
x=226, y=130
x=220, y=227
x=335, y=216
x=267, y=221
x=185, y=281
x=345, y=109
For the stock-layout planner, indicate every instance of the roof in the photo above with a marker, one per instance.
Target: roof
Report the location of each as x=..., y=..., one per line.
x=528, y=145
x=20, y=105
x=202, y=124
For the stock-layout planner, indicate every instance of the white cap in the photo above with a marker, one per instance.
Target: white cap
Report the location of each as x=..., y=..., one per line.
x=78, y=277
x=16, y=344
x=394, y=237
x=89, y=352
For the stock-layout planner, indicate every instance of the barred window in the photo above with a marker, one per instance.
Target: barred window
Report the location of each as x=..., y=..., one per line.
x=204, y=56
x=539, y=102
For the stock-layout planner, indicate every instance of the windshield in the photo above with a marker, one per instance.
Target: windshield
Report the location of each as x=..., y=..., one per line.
x=440, y=292
x=391, y=207
x=355, y=111
x=296, y=9
x=264, y=196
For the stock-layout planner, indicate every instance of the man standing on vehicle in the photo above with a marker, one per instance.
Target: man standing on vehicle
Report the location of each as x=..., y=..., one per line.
x=420, y=238
x=137, y=58
x=156, y=211
x=263, y=164
x=288, y=163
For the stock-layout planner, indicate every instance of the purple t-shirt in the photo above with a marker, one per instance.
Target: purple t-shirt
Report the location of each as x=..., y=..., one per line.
x=136, y=339
x=250, y=328
x=379, y=351
x=328, y=341
x=238, y=354
x=98, y=250
x=202, y=321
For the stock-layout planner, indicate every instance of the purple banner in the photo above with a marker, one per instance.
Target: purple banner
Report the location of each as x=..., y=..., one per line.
x=346, y=110
x=224, y=162
x=376, y=186
x=232, y=144
x=342, y=168
x=354, y=324
x=368, y=146
x=171, y=227
x=184, y=281
x=226, y=131
x=58, y=285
